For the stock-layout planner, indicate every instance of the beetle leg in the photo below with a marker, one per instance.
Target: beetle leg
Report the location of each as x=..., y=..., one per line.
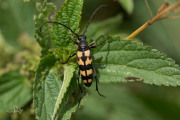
x=68, y=58
x=74, y=41
x=80, y=96
x=95, y=76
x=98, y=44
x=92, y=43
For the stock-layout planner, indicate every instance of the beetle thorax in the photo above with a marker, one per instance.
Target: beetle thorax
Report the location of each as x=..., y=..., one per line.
x=83, y=45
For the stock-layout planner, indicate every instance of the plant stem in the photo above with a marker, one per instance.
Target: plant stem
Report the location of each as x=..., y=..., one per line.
x=138, y=30
x=154, y=19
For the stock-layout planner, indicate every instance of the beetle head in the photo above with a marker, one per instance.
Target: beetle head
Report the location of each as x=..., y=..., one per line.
x=82, y=38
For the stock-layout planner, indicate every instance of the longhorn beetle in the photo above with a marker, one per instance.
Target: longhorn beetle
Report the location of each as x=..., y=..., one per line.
x=84, y=56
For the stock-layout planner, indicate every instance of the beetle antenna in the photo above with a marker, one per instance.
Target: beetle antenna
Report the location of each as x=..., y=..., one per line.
x=60, y=24
x=92, y=16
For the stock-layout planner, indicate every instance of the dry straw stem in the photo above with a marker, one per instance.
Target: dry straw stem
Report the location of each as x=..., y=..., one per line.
x=160, y=15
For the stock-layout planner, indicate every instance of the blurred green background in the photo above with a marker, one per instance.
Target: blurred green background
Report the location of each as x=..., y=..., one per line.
x=20, y=53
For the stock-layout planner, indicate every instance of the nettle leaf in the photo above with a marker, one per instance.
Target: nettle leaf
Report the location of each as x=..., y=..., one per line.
x=51, y=94
x=47, y=95
x=68, y=97
x=15, y=91
x=121, y=60
x=46, y=63
x=128, y=5
x=43, y=37
x=68, y=74
x=69, y=15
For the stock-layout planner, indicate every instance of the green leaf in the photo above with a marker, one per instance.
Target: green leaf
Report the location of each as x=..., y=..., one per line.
x=69, y=15
x=68, y=74
x=121, y=60
x=15, y=91
x=128, y=5
x=43, y=37
x=46, y=63
x=47, y=96
x=50, y=92
x=68, y=98
x=71, y=95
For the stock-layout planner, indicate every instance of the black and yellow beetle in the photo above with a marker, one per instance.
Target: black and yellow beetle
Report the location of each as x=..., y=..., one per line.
x=84, y=56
